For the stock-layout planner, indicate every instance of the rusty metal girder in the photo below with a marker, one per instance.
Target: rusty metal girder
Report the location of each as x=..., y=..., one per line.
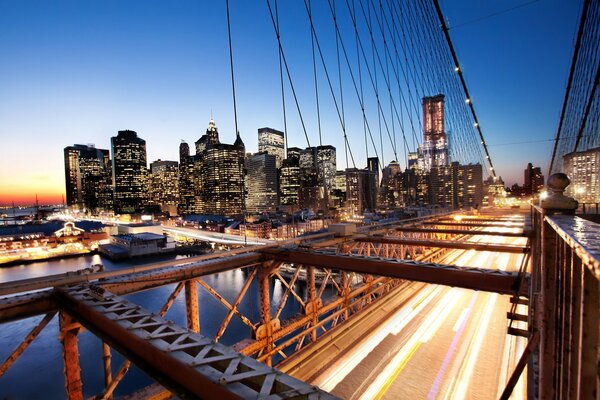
x=469, y=278
x=187, y=363
x=524, y=233
x=28, y=305
x=475, y=223
x=444, y=244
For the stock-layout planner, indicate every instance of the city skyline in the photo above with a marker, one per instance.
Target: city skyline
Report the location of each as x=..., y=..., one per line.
x=81, y=101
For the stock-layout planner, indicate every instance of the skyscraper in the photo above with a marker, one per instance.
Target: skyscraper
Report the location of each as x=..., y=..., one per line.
x=261, y=183
x=164, y=185
x=391, y=184
x=289, y=182
x=187, y=186
x=221, y=169
x=271, y=141
x=435, y=144
x=326, y=169
x=88, y=178
x=129, y=171
x=533, y=180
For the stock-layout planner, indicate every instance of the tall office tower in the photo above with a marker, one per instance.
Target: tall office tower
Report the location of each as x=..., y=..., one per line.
x=211, y=137
x=164, y=185
x=261, y=183
x=533, y=179
x=457, y=186
x=326, y=169
x=582, y=168
x=391, y=186
x=435, y=144
x=289, y=182
x=187, y=182
x=271, y=141
x=360, y=196
x=338, y=194
x=129, y=171
x=221, y=169
x=294, y=153
x=308, y=157
x=416, y=189
x=88, y=178
x=309, y=193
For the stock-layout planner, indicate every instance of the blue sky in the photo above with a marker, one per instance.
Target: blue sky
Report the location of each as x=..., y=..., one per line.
x=79, y=71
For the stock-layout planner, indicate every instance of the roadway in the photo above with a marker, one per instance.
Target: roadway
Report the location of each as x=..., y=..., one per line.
x=443, y=343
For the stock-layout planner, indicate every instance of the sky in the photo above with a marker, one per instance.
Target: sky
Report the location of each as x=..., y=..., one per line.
x=79, y=71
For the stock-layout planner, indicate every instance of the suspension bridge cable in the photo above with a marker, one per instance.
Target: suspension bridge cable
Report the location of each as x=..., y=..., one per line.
x=312, y=44
x=287, y=69
x=584, y=13
x=339, y=70
x=285, y=132
x=328, y=78
x=464, y=84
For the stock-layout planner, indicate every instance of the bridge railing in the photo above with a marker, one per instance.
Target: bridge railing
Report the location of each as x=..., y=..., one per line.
x=564, y=306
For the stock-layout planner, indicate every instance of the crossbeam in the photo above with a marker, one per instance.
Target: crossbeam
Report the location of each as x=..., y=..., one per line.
x=465, y=277
x=187, y=363
x=523, y=233
x=453, y=244
x=475, y=223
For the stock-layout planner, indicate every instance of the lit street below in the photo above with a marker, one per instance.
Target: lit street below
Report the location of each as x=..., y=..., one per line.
x=443, y=343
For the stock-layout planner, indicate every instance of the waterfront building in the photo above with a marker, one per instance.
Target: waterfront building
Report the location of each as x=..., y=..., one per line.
x=289, y=182
x=435, y=143
x=310, y=193
x=583, y=168
x=129, y=171
x=494, y=191
x=533, y=180
x=164, y=185
x=187, y=186
x=88, y=178
x=261, y=183
x=272, y=142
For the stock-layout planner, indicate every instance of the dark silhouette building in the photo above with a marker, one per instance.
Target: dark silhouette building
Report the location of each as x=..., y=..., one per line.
x=533, y=180
x=88, y=178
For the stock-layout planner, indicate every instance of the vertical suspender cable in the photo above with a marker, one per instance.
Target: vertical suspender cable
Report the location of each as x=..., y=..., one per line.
x=285, y=143
x=237, y=132
x=584, y=12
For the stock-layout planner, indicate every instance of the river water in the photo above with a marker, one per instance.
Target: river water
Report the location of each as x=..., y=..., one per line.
x=38, y=373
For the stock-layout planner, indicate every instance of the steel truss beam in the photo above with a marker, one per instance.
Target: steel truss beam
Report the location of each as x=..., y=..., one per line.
x=476, y=223
x=469, y=278
x=186, y=362
x=444, y=244
x=524, y=233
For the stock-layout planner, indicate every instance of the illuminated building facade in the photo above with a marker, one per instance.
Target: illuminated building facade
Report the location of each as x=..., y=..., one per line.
x=164, y=185
x=338, y=194
x=435, y=144
x=187, y=186
x=219, y=174
x=289, y=182
x=261, y=183
x=129, y=170
x=583, y=168
x=88, y=178
x=391, y=186
x=360, y=191
x=271, y=141
x=457, y=186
